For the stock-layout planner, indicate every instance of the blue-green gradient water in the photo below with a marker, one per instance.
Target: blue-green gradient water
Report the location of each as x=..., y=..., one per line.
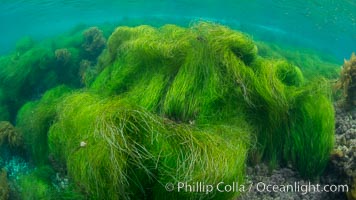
x=326, y=25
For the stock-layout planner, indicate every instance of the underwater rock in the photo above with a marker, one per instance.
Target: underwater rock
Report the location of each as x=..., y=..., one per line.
x=16, y=167
x=9, y=135
x=347, y=81
x=261, y=174
x=87, y=72
x=344, y=166
x=336, y=154
x=63, y=56
x=94, y=42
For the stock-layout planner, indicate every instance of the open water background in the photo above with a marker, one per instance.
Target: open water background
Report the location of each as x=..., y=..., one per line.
x=325, y=25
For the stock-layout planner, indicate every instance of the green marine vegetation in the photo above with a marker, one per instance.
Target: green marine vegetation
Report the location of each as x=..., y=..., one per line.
x=36, y=185
x=39, y=185
x=175, y=71
x=347, y=81
x=312, y=63
x=209, y=74
x=115, y=150
x=34, y=67
x=4, y=110
x=94, y=43
x=34, y=120
x=21, y=74
x=172, y=104
x=312, y=117
x=24, y=44
x=10, y=138
x=4, y=186
x=289, y=74
x=4, y=113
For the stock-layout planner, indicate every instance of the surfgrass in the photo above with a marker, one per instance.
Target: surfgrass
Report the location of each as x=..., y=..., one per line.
x=128, y=150
x=203, y=74
x=172, y=104
x=34, y=120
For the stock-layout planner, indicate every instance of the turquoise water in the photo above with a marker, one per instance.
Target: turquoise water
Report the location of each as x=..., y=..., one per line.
x=88, y=111
x=326, y=25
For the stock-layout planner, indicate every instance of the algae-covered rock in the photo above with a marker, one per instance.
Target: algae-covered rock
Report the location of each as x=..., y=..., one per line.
x=10, y=135
x=347, y=81
x=94, y=42
x=62, y=56
x=4, y=186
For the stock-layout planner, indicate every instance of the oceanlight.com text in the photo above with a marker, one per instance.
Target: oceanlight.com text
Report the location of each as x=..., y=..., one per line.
x=297, y=187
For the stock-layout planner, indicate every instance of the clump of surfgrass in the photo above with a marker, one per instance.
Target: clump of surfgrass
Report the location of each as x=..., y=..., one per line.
x=118, y=151
x=184, y=64
x=203, y=74
x=313, y=119
x=34, y=120
x=289, y=74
